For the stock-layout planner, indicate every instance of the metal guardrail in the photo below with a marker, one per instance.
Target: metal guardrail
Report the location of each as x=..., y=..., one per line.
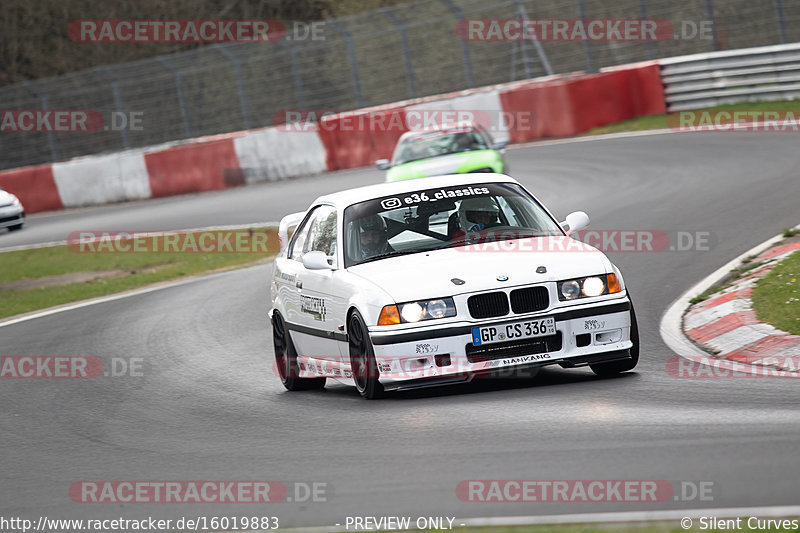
x=733, y=76
x=392, y=54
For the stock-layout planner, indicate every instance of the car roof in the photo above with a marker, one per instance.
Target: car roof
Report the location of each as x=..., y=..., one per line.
x=353, y=196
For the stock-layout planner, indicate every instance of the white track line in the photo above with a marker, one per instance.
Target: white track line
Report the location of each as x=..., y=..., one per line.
x=622, y=517
x=145, y=234
x=633, y=516
x=599, y=137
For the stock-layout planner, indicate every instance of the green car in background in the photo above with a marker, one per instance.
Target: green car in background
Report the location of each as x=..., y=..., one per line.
x=455, y=149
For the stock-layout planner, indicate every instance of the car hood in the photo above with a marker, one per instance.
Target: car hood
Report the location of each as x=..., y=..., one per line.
x=429, y=274
x=443, y=164
x=6, y=198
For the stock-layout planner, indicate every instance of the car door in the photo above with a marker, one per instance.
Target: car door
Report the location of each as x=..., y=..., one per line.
x=321, y=299
x=286, y=270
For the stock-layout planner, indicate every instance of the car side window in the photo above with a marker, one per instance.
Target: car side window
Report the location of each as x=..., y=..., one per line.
x=301, y=236
x=322, y=232
x=486, y=137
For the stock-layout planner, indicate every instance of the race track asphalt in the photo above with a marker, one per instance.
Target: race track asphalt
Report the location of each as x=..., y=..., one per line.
x=208, y=407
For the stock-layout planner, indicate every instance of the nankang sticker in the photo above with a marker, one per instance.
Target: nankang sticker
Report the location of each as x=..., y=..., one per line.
x=526, y=359
x=314, y=307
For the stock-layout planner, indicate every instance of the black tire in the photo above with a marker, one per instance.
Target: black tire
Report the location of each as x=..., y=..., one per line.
x=15, y=227
x=286, y=359
x=617, y=367
x=362, y=359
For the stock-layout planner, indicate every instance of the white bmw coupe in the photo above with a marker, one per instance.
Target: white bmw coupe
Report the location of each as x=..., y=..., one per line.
x=438, y=280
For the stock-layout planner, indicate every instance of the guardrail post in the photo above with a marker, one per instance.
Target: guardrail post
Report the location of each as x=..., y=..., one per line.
x=536, y=43
x=117, y=101
x=648, y=43
x=412, y=88
x=590, y=66
x=296, y=76
x=179, y=87
x=351, y=52
x=51, y=138
x=710, y=11
x=781, y=21
x=237, y=67
x=464, y=46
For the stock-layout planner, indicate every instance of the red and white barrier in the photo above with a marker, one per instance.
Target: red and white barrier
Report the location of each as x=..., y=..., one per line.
x=558, y=106
x=34, y=186
x=102, y=179
x=351, y=143
x=272, y=154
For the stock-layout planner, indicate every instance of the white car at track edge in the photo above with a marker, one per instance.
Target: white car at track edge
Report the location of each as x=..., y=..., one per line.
x=12, y=214
x=437, y=281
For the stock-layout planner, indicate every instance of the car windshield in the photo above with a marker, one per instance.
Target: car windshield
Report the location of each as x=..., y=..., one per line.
x=435, y=143
x=438, y=218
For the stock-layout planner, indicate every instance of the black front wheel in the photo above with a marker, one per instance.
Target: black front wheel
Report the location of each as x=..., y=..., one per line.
x=616, y=367
x=362, y=359
x=286, y=359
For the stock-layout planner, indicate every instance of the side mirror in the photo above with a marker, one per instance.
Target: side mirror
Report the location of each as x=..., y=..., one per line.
x=382, y=164
x=575, y=221
x=316, y=260
x=499, y=145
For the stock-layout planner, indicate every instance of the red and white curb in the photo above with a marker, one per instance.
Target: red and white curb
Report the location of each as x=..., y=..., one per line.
x=727, y=325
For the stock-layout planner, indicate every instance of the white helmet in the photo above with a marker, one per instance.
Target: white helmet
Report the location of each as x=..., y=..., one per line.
x=470, y=206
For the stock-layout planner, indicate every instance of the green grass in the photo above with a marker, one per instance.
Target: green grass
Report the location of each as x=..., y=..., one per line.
x=776, y=298
x=736, y=273
x=59, y=260
x=653, y=122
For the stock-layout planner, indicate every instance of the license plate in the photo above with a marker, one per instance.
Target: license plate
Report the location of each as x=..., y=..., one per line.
x=527, y=329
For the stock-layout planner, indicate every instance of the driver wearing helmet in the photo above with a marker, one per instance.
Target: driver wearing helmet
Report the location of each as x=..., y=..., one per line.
x=476, y=214
x=373, y=237
x=465, y=142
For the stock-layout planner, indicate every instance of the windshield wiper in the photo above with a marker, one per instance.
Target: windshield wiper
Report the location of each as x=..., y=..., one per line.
x=394, y=253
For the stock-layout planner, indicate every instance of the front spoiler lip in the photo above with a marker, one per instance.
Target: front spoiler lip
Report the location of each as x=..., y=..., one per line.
x=560, y=316
x=466, y=377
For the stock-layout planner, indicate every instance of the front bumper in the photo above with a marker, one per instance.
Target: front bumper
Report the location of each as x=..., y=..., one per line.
x=11, y=215
x=422, y=357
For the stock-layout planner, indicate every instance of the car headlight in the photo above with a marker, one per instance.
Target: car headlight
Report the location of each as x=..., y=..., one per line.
x=411, y=312
x=15, y=202
x=588, y=287
x=483, y=169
